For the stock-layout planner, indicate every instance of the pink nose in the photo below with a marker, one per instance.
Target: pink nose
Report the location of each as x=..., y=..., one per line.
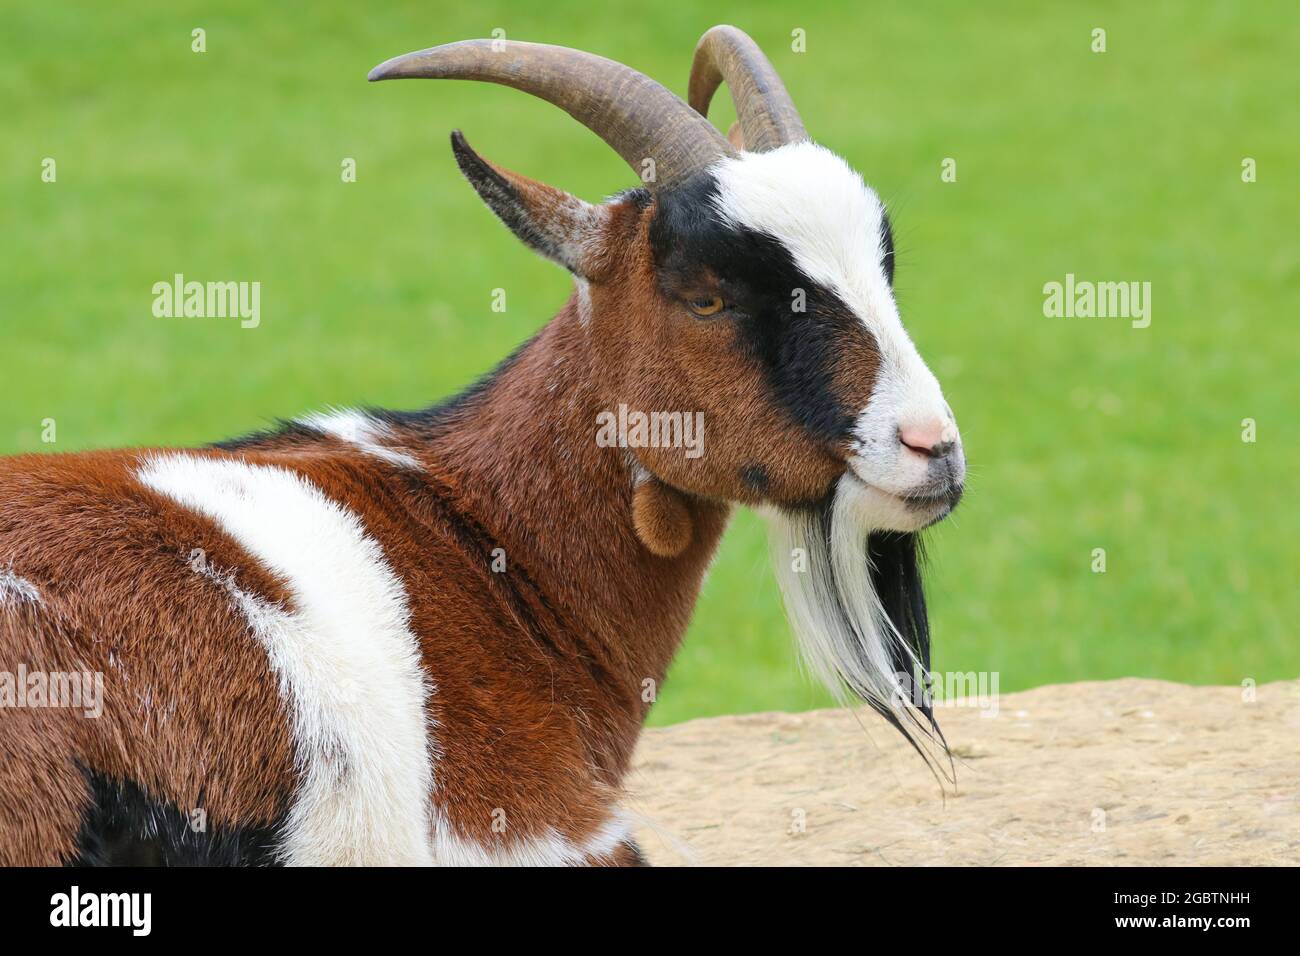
x=927, y=438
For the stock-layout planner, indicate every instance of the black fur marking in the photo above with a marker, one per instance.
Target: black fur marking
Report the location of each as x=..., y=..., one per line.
x=795, y=349
x=895, y=558
x=755, y=476
x=282, y=432
x=887, y=247
x=126, y=827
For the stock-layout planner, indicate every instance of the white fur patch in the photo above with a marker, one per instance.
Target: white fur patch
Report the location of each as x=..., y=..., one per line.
x=830, y=221
x=357, y=428
x=17, y=590
x=348, y=665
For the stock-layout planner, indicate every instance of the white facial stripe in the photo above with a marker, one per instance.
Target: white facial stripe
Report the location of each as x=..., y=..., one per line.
x=359, y=429
x=825, y=215
x=830, y=221
x=17, y=590
x=348, y=665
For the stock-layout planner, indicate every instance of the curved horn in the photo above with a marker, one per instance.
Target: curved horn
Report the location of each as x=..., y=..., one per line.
x=768, y=118
x=636, y=116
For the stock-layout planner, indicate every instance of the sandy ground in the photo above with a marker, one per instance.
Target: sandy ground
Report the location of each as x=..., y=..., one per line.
x=1126, y=772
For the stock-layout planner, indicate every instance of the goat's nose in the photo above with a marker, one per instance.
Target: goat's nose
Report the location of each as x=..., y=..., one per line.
x=933, y=439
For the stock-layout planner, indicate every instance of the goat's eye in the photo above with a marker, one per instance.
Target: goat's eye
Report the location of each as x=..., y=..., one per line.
x=706, y=305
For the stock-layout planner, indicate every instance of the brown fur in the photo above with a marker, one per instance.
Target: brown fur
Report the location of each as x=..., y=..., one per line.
x=191, y=711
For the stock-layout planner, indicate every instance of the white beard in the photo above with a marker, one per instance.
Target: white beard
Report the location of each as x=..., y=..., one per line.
x=846, y=637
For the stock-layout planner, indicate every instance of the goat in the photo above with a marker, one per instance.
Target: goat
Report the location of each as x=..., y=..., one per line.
x=426, y=637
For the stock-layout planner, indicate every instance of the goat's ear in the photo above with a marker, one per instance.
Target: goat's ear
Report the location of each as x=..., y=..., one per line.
x=549, y=220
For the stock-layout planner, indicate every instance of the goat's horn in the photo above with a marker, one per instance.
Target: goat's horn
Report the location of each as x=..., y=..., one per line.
x=767, y=115
x=636, y=116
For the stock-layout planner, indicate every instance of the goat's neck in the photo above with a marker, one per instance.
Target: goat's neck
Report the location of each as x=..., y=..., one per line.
x=524, y=457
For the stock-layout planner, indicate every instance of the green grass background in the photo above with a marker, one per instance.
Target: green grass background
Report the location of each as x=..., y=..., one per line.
x=1081, y=433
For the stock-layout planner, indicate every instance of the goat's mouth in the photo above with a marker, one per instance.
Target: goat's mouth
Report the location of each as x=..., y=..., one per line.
x=911, y=510
x=938, y=496
x=931, y=505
